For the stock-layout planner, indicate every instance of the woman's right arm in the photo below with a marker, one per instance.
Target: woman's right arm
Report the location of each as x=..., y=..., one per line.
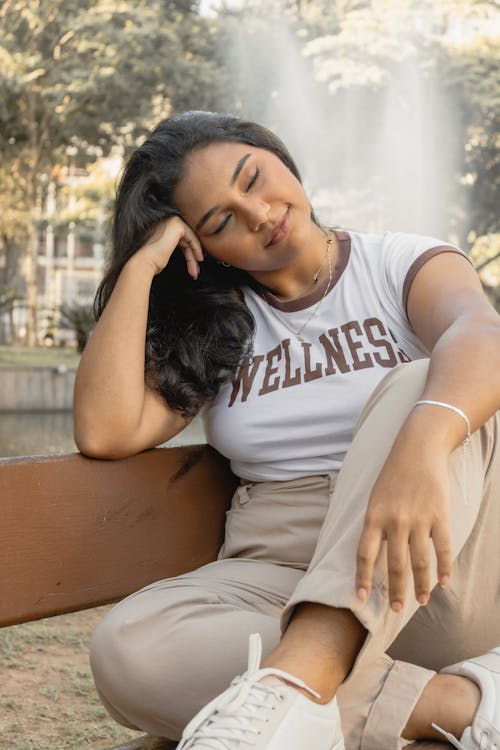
x=115, y=413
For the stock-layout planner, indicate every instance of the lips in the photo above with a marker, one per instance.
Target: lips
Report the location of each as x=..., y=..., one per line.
x=280, y=230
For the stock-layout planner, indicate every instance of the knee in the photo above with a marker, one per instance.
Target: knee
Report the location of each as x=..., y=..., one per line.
x=400, y=388
x=135, y=674
x=112, y=652
x=117, y=658
x=408, y=372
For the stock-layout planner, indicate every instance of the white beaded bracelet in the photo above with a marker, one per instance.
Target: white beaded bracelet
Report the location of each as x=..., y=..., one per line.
x=453, y=408
x=465, y=442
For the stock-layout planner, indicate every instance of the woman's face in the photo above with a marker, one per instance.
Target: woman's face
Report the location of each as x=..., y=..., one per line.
x=245, y=205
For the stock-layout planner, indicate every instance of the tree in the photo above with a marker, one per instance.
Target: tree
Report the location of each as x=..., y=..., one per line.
x=447, y=50
x=473, y=70
x=86, y=75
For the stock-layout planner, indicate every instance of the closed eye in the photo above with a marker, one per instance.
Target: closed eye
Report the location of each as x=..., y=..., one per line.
x=221, y=226
x=253, y=180
x=249, y=187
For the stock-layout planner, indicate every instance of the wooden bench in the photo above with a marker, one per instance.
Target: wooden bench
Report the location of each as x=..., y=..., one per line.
x=78, y=532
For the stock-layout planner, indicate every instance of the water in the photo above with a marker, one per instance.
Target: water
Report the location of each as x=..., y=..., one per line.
x=51, y=433
x=361, y=111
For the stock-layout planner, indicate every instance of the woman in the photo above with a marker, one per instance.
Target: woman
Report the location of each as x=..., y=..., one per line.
x=288, y=333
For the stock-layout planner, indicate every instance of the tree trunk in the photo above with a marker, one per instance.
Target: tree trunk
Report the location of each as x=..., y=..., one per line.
x=10, y=285
x=32, y=288
x=31, y=274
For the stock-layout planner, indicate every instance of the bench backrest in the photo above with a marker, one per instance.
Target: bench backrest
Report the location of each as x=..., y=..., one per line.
x=77, y=532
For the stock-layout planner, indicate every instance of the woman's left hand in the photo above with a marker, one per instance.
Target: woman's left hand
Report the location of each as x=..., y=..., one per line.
x=408, y=509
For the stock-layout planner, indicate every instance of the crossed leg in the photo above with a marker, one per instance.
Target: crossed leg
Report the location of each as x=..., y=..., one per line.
x=329, y=638
x=166, y=651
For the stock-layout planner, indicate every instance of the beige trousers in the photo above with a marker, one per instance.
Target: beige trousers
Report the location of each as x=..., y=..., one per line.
x=164, y=652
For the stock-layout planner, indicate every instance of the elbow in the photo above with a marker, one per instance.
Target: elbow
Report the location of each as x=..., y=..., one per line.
x=93, y=446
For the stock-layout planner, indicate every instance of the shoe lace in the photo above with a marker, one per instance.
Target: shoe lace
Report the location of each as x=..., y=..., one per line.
x=237, y=715
x=485, y=743
x=484, y=740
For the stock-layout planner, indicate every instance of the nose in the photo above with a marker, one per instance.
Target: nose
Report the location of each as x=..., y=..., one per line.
x=257, y=214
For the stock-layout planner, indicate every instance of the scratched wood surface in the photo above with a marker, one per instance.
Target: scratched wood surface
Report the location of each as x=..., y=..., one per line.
x=147, y=743
x=77, y=532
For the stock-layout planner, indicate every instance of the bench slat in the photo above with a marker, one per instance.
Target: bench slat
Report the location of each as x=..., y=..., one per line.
x=147, y=743
x=78, y=532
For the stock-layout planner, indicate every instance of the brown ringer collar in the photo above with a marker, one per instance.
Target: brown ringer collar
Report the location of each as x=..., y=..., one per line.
x=293, y=305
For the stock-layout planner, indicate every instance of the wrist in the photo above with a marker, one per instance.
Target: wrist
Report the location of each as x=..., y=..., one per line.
x=451, y=408
x=141, y=264
x=433, y=429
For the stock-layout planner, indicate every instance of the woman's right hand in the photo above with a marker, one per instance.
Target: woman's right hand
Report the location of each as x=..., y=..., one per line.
x=169, y=234
x=115, y=413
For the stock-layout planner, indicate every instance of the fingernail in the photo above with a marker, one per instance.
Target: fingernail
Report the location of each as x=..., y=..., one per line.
x=444, y=580
x=362, y=594
x=422, y=599
x=396, y=606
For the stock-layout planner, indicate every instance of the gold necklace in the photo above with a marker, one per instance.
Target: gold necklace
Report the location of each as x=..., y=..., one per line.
x=327, y=250
x=298, y=333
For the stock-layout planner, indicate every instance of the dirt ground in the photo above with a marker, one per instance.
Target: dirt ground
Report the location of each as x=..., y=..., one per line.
x=47, y=695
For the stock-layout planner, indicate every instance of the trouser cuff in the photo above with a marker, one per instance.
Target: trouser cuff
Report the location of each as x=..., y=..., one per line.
x=393, y=707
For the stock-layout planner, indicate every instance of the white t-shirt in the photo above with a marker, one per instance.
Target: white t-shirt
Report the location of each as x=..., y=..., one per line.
x=292, y=409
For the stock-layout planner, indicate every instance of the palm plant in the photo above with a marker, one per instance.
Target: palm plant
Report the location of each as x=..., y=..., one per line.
x=80, y=317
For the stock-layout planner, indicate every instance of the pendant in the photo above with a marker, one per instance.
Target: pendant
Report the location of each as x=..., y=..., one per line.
x=300, y=337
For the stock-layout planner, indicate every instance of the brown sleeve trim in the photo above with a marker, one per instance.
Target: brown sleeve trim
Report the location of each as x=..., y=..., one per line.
x=420, y=261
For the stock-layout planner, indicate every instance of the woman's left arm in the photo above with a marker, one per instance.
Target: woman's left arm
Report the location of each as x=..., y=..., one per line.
x=408, y=506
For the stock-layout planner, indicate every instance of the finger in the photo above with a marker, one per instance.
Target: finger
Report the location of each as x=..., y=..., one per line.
x=194, y=243
x=366, y=556
x=397, y=561
x=419, y=554
x=191, y=262
x=442, y=544
x=197, y=250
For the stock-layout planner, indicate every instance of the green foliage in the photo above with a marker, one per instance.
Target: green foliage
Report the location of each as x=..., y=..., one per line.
x=450, y=46
x=89, y=75
x=485, y=255
x=81, y=72
x=370, y=39
x=8, y=295
x=78, y=78
x=15, y=210
x=473, y=70
x=87, y=203
x=79, y=317
x=40, y=356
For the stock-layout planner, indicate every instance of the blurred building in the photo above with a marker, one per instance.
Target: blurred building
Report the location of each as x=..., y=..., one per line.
x=70, y=253
x=70, y=259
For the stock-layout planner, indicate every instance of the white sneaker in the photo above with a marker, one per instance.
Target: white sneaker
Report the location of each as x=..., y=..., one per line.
x=260, y=715
x=484, y=733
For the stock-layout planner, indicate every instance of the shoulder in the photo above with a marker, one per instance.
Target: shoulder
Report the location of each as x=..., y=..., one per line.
x=405, y=242
x=403, y=252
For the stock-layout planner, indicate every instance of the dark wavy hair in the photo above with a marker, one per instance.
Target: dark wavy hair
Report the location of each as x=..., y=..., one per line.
x=199, y=331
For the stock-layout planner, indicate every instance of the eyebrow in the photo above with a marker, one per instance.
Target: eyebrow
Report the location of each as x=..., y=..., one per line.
x=206, y=216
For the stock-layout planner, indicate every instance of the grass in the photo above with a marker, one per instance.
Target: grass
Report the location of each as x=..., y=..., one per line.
x=48, y=700
x=39, y=356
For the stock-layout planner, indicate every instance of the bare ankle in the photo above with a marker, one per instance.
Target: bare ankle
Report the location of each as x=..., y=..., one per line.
x=319, y=646
x=450, y=701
